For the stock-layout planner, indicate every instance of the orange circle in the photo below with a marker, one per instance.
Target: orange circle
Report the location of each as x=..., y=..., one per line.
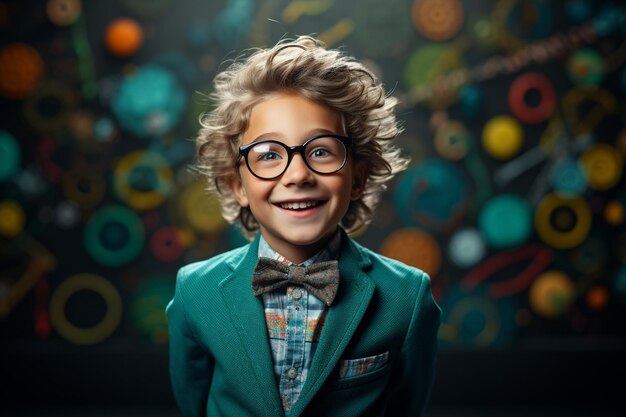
x=415, y=248
x=437, y=20
x=597, y=298
x=123, y=37
x=614, y=212
x=551, y=294
x=21, y=70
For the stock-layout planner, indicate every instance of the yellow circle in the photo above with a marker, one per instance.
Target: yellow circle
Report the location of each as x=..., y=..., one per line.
x=12, y=218
x=551, y=293
x=502, y=137
x=140, y=199
x=202, y=209
x=603, y=166
x=581, y=222
x=81, y=335
x=84, y=188
x=415, y=248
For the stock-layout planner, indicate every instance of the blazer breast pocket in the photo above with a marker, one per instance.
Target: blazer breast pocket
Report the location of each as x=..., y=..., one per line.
x=361, y=370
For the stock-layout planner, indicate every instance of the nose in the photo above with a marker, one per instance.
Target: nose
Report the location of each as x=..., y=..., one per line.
x=297, y=173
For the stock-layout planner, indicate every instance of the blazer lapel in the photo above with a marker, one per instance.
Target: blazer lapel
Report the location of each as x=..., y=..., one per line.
x=344, y=316
x=248, y=316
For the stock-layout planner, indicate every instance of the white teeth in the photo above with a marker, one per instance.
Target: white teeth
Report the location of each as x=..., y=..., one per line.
x=299, y=206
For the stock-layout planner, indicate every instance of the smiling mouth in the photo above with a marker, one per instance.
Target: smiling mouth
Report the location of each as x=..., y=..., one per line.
x=301, y=205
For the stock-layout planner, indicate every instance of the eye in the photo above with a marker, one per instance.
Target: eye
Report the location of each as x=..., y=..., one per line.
x=319, y=153
x=269, y=156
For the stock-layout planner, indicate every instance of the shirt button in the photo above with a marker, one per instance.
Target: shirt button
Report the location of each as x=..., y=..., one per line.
x=292, y=373
x=297, y=293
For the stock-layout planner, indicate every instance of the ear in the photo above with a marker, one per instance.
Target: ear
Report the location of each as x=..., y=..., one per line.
x=239, y=190
x=359, y=177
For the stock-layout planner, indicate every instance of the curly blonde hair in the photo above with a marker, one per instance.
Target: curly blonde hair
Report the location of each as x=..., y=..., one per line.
x=323, y=75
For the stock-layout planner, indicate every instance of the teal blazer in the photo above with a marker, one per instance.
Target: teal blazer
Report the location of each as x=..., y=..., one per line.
x=220, y=358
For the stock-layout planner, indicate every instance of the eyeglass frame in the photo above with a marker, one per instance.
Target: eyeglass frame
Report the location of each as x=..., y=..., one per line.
x=346, y=141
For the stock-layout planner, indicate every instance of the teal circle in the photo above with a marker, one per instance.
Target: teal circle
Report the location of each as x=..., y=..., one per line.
x=9, y=155
x=114, y=236
x=505, y=221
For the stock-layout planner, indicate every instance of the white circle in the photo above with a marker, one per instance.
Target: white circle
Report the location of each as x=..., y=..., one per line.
x=467, y=247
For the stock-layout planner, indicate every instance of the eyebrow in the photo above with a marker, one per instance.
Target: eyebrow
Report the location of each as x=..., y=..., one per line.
x=310, y=134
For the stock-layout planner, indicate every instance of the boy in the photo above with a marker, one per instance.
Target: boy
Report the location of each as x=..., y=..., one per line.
x=302, y=321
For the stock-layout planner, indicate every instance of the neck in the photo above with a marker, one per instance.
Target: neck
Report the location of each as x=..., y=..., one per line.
x=297, y=253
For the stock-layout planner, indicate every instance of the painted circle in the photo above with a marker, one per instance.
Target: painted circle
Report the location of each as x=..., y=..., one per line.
x=63, y=12
x=10, y=155
x=85, y=188
x=502, y=137
x=21, y=70
x=614, y=212
x=437, y=20
x=123, y=37
x=167, y=244
x=526, y=84
x=12, y=218
x=551, y=293
x=603, y=166
x=429, y=63
x=452, y=140
x=413, y=247
x=114, y=236
x=568, y=177
x=585, y=67
x=143, y=179
x=467, y=247
x=432, y=194
x=562, y=222
x=201, y=209
x=81, y=335
x=505, y=221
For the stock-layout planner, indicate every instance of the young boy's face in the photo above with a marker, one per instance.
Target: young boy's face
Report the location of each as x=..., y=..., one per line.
x=296, y=234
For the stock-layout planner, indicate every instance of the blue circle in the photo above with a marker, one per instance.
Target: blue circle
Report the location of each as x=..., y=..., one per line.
x=506, y=221
x=568, y=177
x=431, y=194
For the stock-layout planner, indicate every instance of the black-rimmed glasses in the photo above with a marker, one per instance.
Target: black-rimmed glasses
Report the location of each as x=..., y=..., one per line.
x=323, y=154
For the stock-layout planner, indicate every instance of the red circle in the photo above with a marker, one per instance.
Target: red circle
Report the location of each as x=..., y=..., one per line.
x=166, y=244
x=517, y=98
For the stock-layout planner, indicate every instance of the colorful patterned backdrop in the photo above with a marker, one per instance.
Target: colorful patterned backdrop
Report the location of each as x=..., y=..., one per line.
x=514, y=118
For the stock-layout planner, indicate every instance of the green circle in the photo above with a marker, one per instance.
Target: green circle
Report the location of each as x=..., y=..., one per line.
x=147, y=311
x=585, y=67
x=506, y=221
x=114, y=236
x=9, y=155
x=429, y=63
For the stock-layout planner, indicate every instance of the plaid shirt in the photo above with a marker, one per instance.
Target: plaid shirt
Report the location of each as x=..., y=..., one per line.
x=294, y=323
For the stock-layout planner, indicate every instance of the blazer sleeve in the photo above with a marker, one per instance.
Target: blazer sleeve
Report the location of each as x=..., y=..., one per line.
x=414, y=373
x=191, y=366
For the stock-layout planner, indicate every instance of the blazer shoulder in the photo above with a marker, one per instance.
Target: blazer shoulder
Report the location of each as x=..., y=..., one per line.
x=214, y=268
x=395, y=275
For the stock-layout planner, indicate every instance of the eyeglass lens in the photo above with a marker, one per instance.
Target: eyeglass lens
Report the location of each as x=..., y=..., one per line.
x=324, y=155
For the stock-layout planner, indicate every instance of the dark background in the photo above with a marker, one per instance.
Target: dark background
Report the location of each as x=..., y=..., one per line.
x=527, y=352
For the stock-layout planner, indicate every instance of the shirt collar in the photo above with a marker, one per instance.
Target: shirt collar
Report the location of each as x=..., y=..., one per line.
x=330, y=252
